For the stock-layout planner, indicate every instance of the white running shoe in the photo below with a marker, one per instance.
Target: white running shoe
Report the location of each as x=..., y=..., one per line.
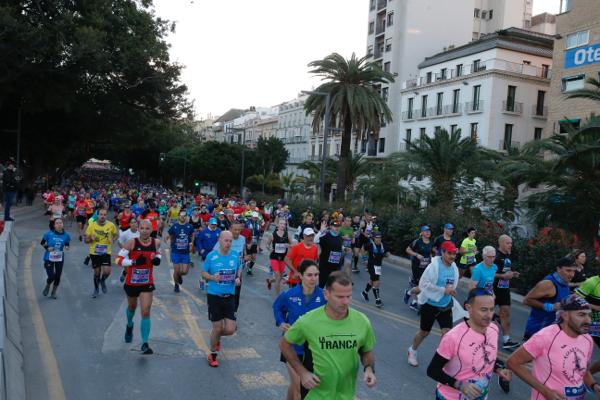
x=412, y=357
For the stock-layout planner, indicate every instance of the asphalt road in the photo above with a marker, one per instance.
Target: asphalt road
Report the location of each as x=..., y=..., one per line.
x=74, y=346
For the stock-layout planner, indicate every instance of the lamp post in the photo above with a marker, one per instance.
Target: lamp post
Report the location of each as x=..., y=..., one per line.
x=325, y=132
x=243, y=130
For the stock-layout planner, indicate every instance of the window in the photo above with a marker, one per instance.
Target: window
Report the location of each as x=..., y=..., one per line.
x=510, y=98
x=577, y=39
x=381, y=145
x=491, y=14
x=371, y=27
x=575, y=82
x=484, y=14
x=422, y=133
x=476, y=95
x=390, y=19
x=437, y=129
x=410, y=107
x=459, y=70
x=438, y=104
x=476, y=65
x=474, y=129
x=386, y=66
x=372, y=6
x=424, y=105
x=370, y=50
x=476, y=13
x=388, y=44
x=408, y=138
x=508, y=130
x=455, y=100
x=568, y=124
x=453, y=128
x=539, y=106
x=429, y=74
x=537, y=134
x=444, y=73
x=384, y=94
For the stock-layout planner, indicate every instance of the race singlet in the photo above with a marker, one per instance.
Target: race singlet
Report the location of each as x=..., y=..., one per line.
x=55, y=256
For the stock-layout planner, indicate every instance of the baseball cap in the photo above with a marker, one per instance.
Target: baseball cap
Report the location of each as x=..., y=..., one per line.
x=567, y=261
x=425, y=228
x=212, y=221
x=448, y=226
x=221, y=213
x=449, y=246
x=308, y=231
x=574, y=303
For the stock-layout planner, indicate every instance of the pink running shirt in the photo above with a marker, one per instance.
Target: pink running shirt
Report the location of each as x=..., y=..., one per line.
x=471, y=356
x=560, y=361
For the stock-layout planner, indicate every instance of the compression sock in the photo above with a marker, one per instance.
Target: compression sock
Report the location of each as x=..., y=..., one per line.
x=369, y=288
x=355, y=261
x=376, y=293
x=145, y=329
x=96, y=281
x=129, y=313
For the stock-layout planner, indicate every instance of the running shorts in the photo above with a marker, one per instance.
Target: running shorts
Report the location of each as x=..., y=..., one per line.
x=135, y=290
x=430, y=314
x=277, y=266
x=100, y=260
x=372, y=275
x=502, y=296
x=221, y=307
x=180, y=258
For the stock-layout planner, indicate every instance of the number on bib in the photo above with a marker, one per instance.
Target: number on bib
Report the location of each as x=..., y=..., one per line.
x=377, y=269
x=55, y=256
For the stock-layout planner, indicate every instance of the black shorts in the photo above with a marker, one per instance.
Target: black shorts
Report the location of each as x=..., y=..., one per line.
x=220, y=308
x=372, y=275
x=502, y=296
x=134, y=291
x=417, y=273
x=430, y=314
x=100, y=260
x=253, y=249
x=81, y=219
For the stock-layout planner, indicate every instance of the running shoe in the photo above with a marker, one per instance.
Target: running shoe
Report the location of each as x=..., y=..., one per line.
x=95, y=293
x=406, y=296
x=504, y=384
x=46, y=290
x=378, y=303
x=269, y=284
x=53, y=294
x=128, y=334
x=212, y=361
x=412, y=357
x=176, y=290
x=146, y=349
x=509, y=344
x=355, y=270
x=180, y=280
x=365, y=296
x=103, y=285
x=414, y=306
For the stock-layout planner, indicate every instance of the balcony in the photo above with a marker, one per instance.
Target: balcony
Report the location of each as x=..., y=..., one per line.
x=380, y=28
x=409, y=115
x=474, y=107
x=503, y=145
x=452, y=109
x=378, y=53
x=315, y=158
x=539, y=112
x=512, y=107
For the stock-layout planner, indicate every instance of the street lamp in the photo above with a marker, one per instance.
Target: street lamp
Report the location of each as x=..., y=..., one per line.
x=243, y=130
x=325, y=132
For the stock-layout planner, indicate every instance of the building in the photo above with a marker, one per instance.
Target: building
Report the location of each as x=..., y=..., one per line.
x=544, y=23
x=261, y=127
x=576, y=58
x=401, y=33
x=204, y=129
x=493, y=89
x=294, y=129
x=225, y=120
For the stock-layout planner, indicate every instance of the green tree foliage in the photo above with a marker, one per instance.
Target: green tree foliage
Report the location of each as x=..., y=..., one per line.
x=272, y=154
x=91, y=78
x=356, y=104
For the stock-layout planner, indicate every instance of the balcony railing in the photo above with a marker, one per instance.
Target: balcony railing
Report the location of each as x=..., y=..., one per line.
x=452, y=109
x=504, y=145
x=539, y=112
x=474, y=107
x=408, y=115
x=378, y=52
x=513, y=107
x=380, y=27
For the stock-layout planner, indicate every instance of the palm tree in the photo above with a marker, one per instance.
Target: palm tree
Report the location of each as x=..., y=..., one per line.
x=587, y=93
x=356, y=104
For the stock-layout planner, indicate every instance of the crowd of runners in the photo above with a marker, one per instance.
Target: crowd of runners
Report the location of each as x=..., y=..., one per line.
x=136, y=228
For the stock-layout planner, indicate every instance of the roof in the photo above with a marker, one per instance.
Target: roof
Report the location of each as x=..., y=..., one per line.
x=230, y=115
x=515, y=39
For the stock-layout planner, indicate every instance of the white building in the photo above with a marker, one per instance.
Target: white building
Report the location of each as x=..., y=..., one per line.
x=494, y=89
x=294, y=129
x=544, y=23
x=401, y=33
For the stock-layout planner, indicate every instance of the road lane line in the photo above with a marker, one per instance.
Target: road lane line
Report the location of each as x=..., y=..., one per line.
x=269, y=378
x=50, y=366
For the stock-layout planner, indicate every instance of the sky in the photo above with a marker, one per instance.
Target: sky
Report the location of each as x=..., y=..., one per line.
x=242, y=53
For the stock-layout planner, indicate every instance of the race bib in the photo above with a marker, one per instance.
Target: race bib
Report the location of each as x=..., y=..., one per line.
x=594, y=329
x=484, y=386
x=377, y=269
x=424, y=262
x=334, y=257
x=55, y=256
x=100, y=249
x=140, y=275
x=575, y=392
x=280, y=248
x=182, y=244
x=347, y=242
x=488, y=285
x=226, y=276
x=57, y=214
x=254, y=240
x=503, y=284
x=470, y=259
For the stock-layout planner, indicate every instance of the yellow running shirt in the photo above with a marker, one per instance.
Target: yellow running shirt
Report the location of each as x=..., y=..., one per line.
x=104, y=235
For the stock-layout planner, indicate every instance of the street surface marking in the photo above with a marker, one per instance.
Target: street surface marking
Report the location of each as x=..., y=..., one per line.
x=239, y=354
x=251, y=382
x=50, y=366
x=195, y=332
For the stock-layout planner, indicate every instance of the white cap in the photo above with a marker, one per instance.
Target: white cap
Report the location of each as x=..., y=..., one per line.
x=308, y=231
x=254, y=214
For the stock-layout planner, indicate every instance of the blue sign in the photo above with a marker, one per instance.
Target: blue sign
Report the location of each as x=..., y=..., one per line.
x=582, y=56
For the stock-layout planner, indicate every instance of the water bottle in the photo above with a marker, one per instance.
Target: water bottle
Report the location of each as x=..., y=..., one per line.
x=202, y=284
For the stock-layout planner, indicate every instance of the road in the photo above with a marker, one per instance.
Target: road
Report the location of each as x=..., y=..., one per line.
x=74, y=346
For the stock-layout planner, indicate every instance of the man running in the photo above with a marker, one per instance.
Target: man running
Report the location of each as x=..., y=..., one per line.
x=446, y=236
x=502, y=288
x=222, y=270
x=100, y=234
x=252, y=246
x=560, y=354
x=336, y=337
x=347, y=234
x=420, y=251
x=466, y=356
x=331, y=257
x=376, y=252
x=140, y=256
x=438, y=286
x=484, y=273
x=181, y=236
x=305, y=250
x=207, y=238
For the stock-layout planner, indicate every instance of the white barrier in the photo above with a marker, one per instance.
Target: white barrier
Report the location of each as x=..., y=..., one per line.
x=12, y=378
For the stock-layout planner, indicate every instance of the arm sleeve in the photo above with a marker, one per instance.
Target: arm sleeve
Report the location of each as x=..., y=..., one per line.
x=436, y=372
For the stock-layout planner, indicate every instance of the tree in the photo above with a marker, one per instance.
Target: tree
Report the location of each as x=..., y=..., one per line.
x=587, y=93
x=356, y=104
x=272, y=153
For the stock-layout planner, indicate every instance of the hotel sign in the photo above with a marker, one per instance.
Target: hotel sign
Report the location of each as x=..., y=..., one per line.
x=582, y=56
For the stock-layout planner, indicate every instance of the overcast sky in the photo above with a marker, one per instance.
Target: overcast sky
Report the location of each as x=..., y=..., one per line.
x=242, y=53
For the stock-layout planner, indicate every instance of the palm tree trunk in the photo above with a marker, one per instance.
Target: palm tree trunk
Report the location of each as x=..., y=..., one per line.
x=344, y=159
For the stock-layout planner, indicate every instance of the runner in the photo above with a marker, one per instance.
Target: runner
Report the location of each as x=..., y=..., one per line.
x=438, y=286
x=335, y=337
x=347, y=234
x=153, y=216
x=447, y=235
x=484, y=273
x=222, y=270
x=560, y=354
x=545, y=297
x=173, y=212
x=376, y=251
x=467, y=354
x=307, y=222
x=580, y=275
x=590, y=291
x=71, y=200
x=252, y=246
x=124, y=217
x=131, y=233
x=207, y=238
x=56, y=210
x=80, y=216
x=468, y=249
x=331, y=256
x=100, y=234
x=140, y=256
x=420, y=251
x=55, y=242
x=356, y=243
x=279, y=242
x=291, y=305
x=238, y=245
x=181, y=236
x=502, y=288
x=305, y=250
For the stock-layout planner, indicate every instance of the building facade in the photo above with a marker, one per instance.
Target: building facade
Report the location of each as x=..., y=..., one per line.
x=492, y=15
x=576, y=58
x=494, y=90
x=294, y=129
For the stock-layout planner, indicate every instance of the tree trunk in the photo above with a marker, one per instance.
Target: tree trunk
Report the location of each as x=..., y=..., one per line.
x=344, y=159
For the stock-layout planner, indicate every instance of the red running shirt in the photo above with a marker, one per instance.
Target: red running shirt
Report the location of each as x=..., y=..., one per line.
x=140, y=275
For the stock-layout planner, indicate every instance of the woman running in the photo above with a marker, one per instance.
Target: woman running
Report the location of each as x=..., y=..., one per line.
x=279, y=242
x=55, y=242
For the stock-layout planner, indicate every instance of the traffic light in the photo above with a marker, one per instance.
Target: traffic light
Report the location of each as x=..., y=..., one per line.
x=196, y=183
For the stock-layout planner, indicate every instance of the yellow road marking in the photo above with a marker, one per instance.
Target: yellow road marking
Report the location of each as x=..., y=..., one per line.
x=271, y=378
x=50, y=366
x=195, y=332
x=241, y=353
